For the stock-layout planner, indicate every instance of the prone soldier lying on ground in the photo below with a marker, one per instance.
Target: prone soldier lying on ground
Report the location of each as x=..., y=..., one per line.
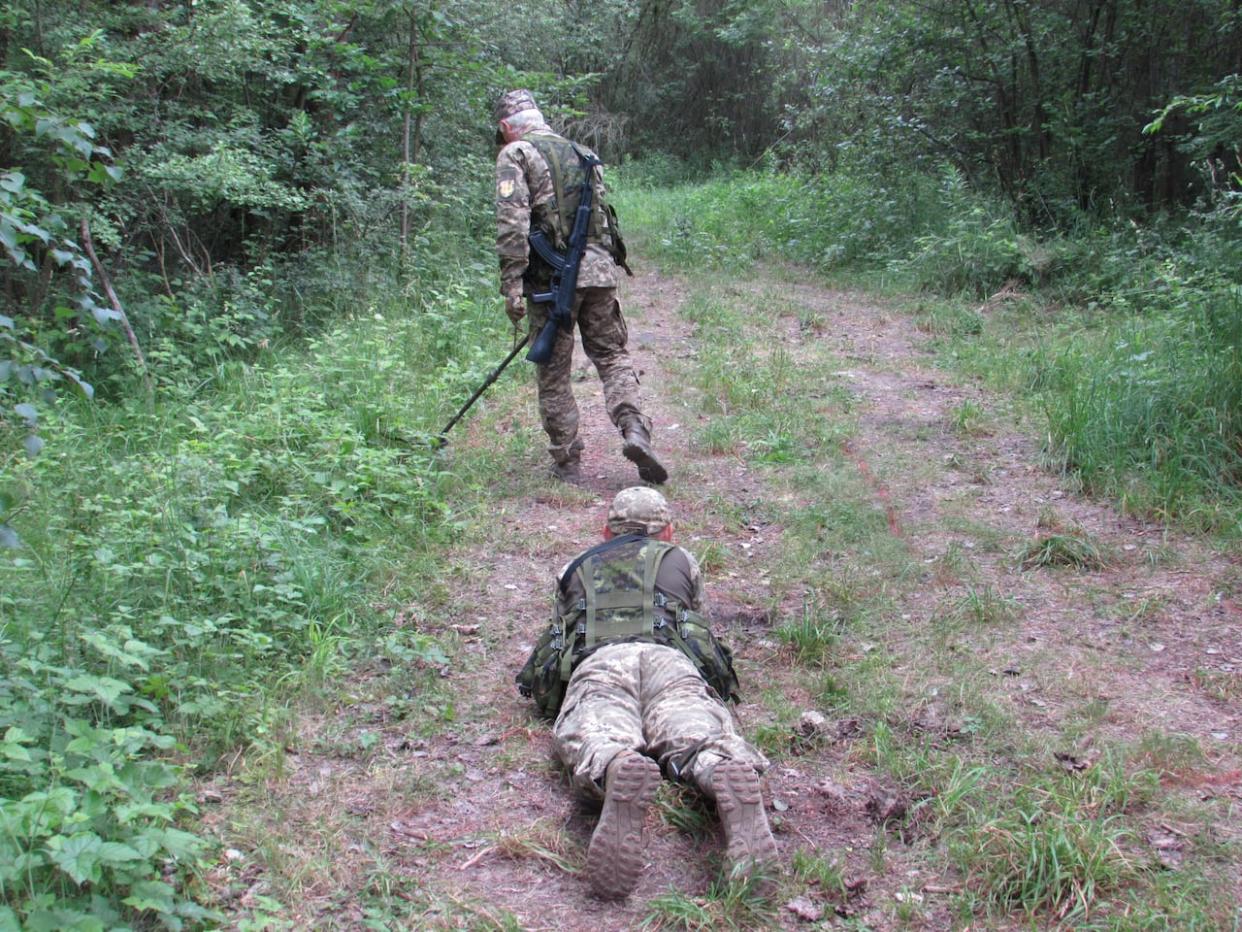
x=638, y=684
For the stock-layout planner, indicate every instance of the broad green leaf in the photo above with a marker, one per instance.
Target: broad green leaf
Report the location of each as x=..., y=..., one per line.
x=104, y=688
x=77, y=856
x=128, y=812
x=33, y=444
x=63, y=920
x=86, y=388
x=37, y=232
x=98, y=777
x=28, y=412
x=12, y=181
x=151, y=894
x=9, y=538
x=133, y=653
x=180, y=844
x=113, y=852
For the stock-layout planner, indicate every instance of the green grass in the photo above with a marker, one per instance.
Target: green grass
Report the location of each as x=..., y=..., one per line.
x=194, y=570
x=729, y=903
x=812, y=635
x=1124, y=342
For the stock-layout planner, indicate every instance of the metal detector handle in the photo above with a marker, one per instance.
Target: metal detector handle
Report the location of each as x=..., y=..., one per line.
x=442, y=439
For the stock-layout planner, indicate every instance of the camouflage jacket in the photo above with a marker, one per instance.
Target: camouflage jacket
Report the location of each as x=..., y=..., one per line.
x=524, y=195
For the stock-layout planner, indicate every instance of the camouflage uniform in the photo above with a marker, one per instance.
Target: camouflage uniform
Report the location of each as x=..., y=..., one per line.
x=633, y=706
x=525, y=199
x=646, y=697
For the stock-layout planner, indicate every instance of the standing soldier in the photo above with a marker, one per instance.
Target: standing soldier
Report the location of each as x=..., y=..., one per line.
x=537, y=182
x=638, y=683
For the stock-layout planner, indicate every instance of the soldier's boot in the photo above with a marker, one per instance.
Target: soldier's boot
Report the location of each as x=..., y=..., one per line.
x=615, y=856
x=749, y=844
x=569, y=471
x=567, y=462
x=637, y=449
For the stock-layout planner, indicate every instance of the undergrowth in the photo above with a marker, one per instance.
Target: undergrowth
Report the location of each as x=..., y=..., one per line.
x=188, y=568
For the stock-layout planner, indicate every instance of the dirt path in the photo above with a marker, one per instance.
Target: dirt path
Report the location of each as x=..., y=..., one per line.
x=464, y=821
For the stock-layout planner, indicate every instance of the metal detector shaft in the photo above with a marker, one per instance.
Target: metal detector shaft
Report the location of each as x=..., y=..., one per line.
x=443, y=438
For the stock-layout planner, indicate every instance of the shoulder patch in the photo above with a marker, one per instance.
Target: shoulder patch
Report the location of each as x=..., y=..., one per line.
x=505, y=188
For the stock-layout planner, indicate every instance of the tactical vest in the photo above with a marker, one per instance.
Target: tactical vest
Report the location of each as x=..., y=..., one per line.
x=621, y=603
x=566, y=172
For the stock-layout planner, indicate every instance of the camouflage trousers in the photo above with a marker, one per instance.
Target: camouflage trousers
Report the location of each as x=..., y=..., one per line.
x=647, y=698
x=597, y=313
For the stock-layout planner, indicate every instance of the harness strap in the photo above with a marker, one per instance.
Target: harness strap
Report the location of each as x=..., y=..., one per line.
x=654, y=556
x=592, y=598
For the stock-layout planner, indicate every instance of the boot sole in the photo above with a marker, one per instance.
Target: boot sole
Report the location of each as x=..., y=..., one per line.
x=739, y=801
x=649, y=468
x=615, y=856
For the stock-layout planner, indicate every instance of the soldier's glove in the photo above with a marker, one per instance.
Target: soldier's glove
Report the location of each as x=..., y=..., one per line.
x=515, y=307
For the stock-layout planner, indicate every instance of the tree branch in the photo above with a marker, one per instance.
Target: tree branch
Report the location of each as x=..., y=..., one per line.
x=89, y=245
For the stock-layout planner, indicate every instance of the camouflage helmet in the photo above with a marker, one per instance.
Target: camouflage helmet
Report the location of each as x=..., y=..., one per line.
x=512, y=102
x=638, y=509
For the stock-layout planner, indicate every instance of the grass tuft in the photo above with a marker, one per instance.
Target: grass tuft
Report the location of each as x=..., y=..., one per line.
x=812, y=635
x=1061, y=550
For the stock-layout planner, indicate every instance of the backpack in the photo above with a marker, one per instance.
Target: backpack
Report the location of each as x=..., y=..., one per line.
x=620, y=604
x=561, y=157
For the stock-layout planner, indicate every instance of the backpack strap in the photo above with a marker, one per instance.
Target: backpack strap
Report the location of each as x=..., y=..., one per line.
x=597, y=549
x=655, y=555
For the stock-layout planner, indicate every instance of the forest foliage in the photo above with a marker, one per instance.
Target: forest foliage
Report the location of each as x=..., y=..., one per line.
x=202, y=201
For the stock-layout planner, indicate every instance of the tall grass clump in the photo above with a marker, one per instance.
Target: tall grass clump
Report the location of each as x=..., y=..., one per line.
x=185, y=564
x=1150, y=409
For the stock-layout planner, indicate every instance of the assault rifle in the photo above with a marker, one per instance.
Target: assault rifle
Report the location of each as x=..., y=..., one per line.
x=560, y=293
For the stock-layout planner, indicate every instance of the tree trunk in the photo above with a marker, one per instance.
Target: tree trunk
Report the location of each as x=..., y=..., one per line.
x=410, y=128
